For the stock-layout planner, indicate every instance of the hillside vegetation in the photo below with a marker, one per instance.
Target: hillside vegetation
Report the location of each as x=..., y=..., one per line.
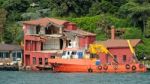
x=90, y=24
x=95, y=16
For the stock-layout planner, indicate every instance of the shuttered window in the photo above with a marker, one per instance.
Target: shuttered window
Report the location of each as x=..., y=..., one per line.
x=124, y=58
x=34, y=60
x=46, y=61
x=40, y=61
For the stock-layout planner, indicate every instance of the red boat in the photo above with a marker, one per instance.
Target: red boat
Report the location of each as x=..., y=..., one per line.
x=77, y=60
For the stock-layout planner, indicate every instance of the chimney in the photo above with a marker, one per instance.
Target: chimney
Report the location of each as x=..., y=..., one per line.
x=71, y=26
x=112, y=32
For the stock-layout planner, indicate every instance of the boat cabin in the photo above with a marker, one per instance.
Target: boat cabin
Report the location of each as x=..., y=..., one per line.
x=73, y=53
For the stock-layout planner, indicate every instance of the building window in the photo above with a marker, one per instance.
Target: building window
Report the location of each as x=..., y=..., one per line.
x=6, y=54
x=34, y=60
x=18, y=54
x=107, y=58
x=1, y=55
x=124, y=58
x=14, y=56
x=46, y=61
x=115, y=57
x=38, y=29
x=40, y=61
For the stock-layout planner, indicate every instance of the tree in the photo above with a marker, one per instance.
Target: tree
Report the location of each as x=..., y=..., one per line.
x=117, y=3
x=12, y=33
x=15, y=8
x=138, y=13
x=102, y=7
x=147, y=30
x=2, y=22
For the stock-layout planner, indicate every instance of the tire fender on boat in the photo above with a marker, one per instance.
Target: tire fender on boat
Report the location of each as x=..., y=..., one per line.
x=133, y=67
x=99, y=67
x=127, y=66
x=105, y=67
x=90, y=70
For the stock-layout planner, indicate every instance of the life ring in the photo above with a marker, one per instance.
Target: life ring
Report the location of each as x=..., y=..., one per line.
x=127, y=66
x=133, y=67
x=90, y=70
x=141, y=66
x=100, y=67
x=105, y=67
x=115, y=67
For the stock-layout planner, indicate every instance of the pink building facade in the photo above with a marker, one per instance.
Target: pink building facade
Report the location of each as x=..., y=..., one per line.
x=46, y=37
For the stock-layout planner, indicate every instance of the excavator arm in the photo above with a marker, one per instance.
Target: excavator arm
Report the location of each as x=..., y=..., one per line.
x=98, y=48
x=132, y=50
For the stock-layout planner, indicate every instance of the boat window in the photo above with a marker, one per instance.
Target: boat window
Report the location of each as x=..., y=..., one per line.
x=40, y=60
x=64, y=53
x=92, y=55
x=46, y=61
x=124, y=58
x=34, y=60
x=74, y=53
x=80, y=54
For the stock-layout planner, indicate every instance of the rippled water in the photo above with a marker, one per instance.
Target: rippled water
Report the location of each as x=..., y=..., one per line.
x=7, y=77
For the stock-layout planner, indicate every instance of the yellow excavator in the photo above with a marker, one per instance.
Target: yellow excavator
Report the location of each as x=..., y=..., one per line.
x=98, y=48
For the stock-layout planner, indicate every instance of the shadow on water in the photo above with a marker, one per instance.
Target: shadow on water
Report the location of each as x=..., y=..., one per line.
x=28, y=77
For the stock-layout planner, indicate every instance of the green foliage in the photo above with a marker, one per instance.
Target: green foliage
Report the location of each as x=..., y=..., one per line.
x=102, y=7
x=90, y=23
x=86, y=23
x=2, y=22
x=15, y=8
x=117, y=3
x=95, y=9
x=97, y=24
x=144, y=47
x=12, y=33
x=132, y=33
x=138, y=11
x=147, y=30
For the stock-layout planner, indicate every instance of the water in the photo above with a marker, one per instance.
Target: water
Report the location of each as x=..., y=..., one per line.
x=7, y=77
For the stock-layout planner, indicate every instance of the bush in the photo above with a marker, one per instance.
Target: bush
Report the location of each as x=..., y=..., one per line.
x=144, y=47
x=132, y=33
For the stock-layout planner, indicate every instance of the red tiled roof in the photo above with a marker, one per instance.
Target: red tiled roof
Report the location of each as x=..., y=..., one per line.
x=45, y=21
x=81, y=32
x=119, y=43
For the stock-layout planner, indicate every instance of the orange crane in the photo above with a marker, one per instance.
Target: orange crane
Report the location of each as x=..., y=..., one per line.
x=98, y=48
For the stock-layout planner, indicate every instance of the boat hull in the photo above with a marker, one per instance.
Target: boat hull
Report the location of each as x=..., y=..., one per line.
x=79, y=65
x=98, y=69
